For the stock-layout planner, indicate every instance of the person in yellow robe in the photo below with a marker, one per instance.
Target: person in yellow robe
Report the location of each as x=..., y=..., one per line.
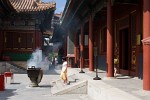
x=63, y=74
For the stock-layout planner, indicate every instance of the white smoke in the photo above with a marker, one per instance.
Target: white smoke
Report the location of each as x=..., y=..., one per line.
x=56, y=46
x=36, y=60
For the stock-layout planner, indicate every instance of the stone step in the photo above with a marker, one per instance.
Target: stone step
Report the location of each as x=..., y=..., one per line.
x=59, y=84
x=73, y=79
x=74, y=83
x=15, y=69
x=19, y=64
x=76, y=88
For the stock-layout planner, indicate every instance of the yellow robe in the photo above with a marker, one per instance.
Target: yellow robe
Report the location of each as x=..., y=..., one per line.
x=63, y=74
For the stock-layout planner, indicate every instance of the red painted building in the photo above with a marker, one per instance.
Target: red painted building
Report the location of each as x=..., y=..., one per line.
x=111, y=30
x=23, y=24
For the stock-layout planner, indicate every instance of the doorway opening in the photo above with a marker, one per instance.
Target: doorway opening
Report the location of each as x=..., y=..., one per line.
x=124, y=50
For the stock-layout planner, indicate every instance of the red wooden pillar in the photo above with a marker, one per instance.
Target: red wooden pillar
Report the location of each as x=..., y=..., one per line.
x=91, y=66
x=110, y=67
x=75, y=48
x=38, y=39
x=82, y=49
x=146, y=48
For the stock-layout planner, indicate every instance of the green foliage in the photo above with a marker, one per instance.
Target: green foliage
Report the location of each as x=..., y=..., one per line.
x=51, y=56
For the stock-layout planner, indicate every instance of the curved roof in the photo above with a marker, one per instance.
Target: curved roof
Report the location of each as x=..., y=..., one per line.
x=31, y=5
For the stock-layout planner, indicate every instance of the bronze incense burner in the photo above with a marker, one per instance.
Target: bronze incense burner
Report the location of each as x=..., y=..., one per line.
x=35, y=75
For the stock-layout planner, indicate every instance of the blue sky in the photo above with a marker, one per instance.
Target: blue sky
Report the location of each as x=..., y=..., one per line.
x=60, y=4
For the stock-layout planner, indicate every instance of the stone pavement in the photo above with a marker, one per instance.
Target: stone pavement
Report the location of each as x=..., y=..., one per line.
x=20, y=90
x=131, y=85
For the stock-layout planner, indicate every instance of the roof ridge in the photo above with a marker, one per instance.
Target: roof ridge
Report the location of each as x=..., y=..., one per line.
x=31, y=5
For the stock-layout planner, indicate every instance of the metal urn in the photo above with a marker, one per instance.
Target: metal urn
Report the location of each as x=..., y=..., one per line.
x=35, y=75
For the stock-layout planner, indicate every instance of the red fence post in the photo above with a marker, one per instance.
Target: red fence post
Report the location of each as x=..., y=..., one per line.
x=2, y=83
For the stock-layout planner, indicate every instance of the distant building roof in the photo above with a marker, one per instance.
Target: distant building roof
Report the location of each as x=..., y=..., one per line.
x=58, y=15
x=31, y=5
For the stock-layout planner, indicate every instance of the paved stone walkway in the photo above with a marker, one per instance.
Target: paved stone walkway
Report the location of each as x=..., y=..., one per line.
x=131, y=85
x=20, y=90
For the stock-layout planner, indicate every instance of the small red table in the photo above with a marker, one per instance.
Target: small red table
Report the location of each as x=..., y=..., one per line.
x=8, y=74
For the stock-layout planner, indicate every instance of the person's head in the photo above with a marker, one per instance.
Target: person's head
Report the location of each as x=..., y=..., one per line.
x=63, y=58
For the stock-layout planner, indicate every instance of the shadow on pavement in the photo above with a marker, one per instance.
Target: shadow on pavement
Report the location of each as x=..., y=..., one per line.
x=15, y=83
x=4, y=95
x=45, y=86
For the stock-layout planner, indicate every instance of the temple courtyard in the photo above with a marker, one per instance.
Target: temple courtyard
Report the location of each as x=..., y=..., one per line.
x=83, y=88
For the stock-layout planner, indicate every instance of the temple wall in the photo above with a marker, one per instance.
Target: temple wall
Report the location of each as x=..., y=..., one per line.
x=19, y=45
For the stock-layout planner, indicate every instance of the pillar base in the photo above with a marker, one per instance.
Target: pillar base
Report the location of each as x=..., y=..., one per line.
x=81, y=71
x=109, y=78
x=96, y=78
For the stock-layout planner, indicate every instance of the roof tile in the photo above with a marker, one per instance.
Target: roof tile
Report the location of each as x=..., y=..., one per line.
x=31, y=5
